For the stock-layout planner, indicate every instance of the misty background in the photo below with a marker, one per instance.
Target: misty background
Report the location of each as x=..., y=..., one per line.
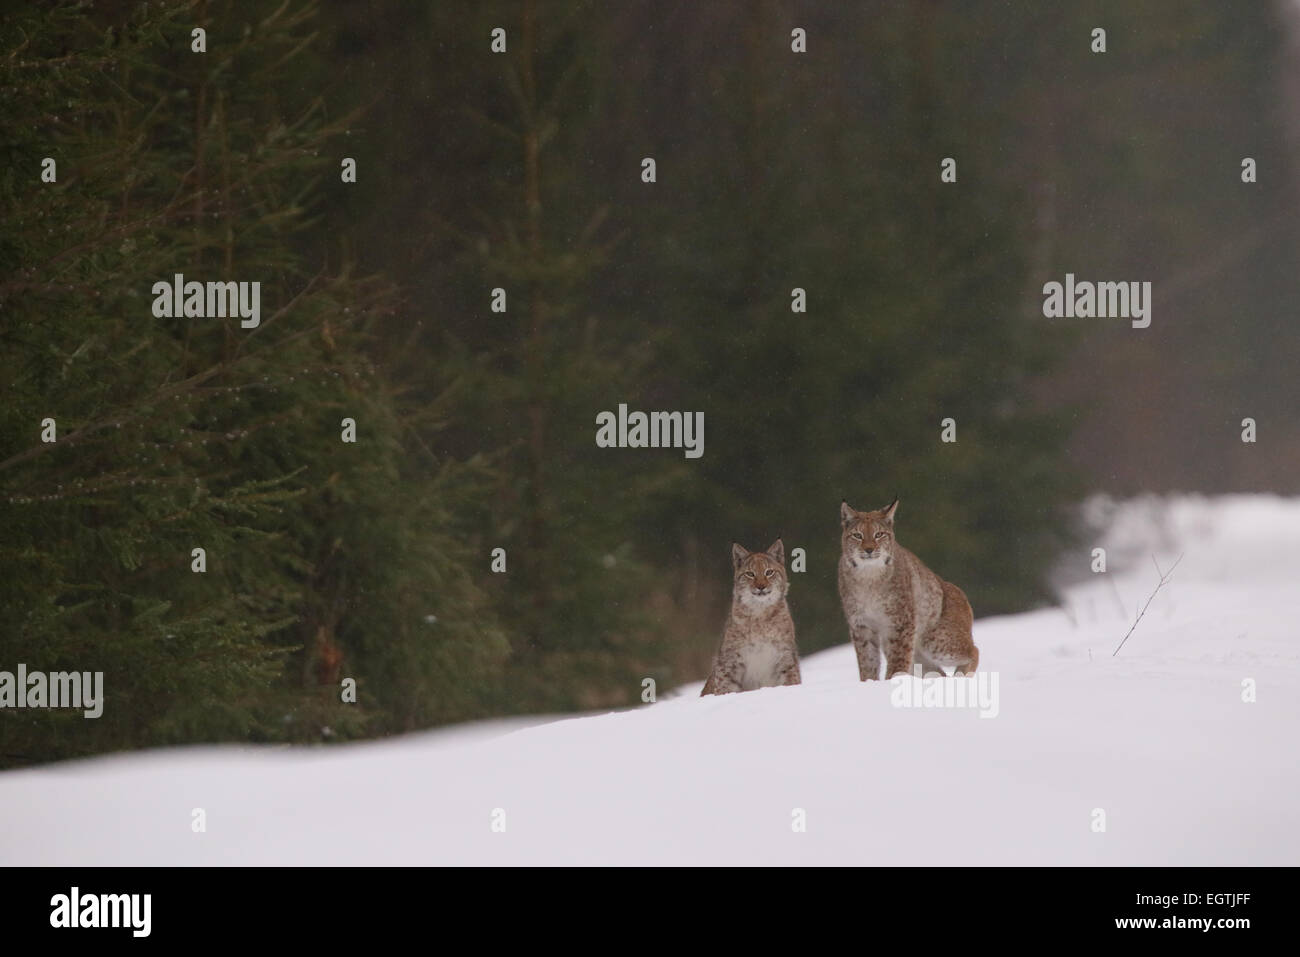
x=521, y=171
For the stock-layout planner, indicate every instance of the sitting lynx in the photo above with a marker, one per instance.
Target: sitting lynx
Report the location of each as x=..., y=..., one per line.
x=894, y=604
x=758, y=649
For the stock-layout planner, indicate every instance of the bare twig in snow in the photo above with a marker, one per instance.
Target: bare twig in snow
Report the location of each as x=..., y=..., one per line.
x=1164, y=579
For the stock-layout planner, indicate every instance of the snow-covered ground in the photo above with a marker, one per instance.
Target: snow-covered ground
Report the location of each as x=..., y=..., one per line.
x=1158, y=739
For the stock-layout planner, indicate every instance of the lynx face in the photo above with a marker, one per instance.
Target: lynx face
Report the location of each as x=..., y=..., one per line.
x=867, y=538
x=759, y=577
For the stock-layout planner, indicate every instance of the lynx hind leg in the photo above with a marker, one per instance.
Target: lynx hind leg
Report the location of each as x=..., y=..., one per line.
x=929, y=667
x=949, y=641
x=969, y=667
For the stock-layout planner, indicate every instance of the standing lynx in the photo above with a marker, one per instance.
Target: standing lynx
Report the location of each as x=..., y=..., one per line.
x=894, y=604
x=758, y=649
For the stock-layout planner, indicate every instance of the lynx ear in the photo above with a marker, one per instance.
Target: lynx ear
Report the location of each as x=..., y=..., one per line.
x=888, y=513
x=846, y=514
x=777, y=551
x=738, y=554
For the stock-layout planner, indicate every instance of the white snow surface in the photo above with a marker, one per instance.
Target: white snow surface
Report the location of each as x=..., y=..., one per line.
x=1158, y=738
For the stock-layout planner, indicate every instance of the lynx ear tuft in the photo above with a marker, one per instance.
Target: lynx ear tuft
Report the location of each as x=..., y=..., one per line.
x=846, y=514
x=738, y=554
x=887, y=513
x=777, y=551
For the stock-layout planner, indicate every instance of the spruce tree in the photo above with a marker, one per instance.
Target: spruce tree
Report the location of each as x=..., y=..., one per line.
x=323, y=558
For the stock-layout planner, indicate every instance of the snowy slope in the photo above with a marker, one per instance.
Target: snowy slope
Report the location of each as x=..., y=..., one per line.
x=1159, y=738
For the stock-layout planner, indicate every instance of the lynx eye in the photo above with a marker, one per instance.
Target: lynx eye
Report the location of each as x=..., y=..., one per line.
x=771, y=572
x=880, y=535
x=749, y=574
x=857, y=535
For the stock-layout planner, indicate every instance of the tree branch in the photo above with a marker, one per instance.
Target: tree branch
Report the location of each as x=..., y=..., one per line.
x=1164, y=579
